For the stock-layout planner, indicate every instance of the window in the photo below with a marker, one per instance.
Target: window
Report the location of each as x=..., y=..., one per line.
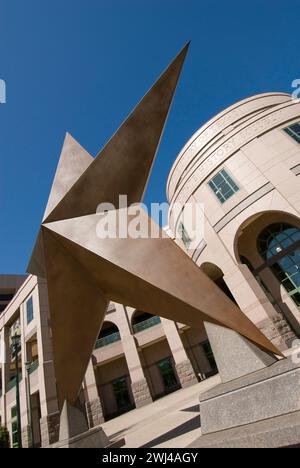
x=278, y=244
x=168, y=375
x=122, y=396
x=223, y=186
x=14, y=427
x=294, y=131
x=184, y=235
x=29, y=310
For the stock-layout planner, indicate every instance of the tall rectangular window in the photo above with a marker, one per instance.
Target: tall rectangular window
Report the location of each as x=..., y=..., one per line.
x=29, y=310
x=14, y=427
x=223, y=186
x=121, y=393
x=294, y=131
x=184, y=235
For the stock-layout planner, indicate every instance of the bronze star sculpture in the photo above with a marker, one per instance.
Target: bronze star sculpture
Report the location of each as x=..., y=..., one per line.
x=85, y=272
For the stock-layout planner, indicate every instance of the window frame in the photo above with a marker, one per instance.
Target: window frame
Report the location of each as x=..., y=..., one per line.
x=291, y=133
x=227, y=179
x=29, y=318
x=274, y=235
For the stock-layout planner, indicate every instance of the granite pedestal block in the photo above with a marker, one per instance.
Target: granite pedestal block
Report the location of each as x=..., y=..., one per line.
x=260, y=409
x=280, y=432
x=236, y=355
x=94, y=438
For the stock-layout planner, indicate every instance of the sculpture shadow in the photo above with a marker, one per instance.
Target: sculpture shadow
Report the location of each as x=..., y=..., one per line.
x=192, y=409
x=184, y=428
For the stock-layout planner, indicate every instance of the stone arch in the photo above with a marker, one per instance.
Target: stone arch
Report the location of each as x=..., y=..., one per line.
x=108, y=334
x=142, y=320
x=252, y=226
x=248, y=252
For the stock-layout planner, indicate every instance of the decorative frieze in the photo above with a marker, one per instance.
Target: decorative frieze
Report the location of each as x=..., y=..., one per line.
x=204, y=167
x=201, y=138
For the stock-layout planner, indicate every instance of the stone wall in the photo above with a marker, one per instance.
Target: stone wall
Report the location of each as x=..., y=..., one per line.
x=94, y=412
x=49, y=429
x=186, y=373
x=141, y=393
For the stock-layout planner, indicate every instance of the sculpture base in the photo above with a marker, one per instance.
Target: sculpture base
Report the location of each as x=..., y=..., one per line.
x=94, y=438
x=260, y=409
x=283, y=431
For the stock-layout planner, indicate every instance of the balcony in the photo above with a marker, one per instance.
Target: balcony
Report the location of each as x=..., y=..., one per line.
x=33, y=366
x=12, y=383
x=141, y=326
x=107, y=340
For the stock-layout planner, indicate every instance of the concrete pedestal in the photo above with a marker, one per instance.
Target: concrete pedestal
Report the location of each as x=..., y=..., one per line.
x=280, y=432
x=235, y=355
x=94, y=438
x=258, y=402
x=265, y=394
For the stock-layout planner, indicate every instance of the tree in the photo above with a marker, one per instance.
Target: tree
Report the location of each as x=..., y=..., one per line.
x=4, y=437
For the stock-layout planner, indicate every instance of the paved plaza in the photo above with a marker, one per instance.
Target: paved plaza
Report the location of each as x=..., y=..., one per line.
x=172, y=421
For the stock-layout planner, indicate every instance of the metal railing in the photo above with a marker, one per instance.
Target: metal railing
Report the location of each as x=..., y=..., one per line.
x=146, y=324
x=33, y=367
x=12, y=383
x=106, y=340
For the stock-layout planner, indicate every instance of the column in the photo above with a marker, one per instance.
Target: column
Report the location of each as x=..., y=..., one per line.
x=25, y=429
x=49, y=422
x=4, y=372
x=183, y=365
x=139, y=385
x=93, y=405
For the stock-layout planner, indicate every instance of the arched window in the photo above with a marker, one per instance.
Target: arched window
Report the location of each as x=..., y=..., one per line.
x=109, y=333
x=279, y=246
x=143, y=320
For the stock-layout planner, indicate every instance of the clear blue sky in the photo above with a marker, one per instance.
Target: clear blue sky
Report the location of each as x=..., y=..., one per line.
x=81, y=66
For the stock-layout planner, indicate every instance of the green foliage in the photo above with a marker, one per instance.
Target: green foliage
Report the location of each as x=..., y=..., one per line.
x=4, y=437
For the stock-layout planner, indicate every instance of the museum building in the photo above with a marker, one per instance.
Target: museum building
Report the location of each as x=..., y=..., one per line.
x=243, y=166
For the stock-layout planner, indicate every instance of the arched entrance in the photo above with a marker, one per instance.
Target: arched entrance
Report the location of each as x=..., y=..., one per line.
x=279, y=246
x=269, y=244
